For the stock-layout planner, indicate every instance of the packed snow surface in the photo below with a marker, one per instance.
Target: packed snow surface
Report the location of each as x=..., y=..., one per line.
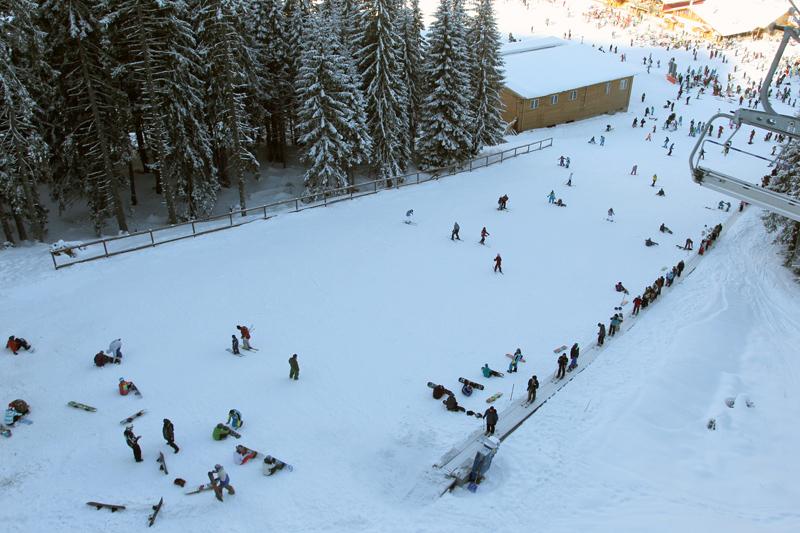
x=375, y=308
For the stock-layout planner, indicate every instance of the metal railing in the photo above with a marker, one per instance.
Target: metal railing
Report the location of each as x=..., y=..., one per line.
x=131, y=242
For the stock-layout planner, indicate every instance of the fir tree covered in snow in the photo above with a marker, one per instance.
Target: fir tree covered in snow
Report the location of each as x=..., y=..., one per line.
x=486, y=78
x=413, y=65
x=381, y=69
x=23, y=151
x=229, y=64
x=787, y=181
x=331, y=123
x=295, y=13
x=444, y=129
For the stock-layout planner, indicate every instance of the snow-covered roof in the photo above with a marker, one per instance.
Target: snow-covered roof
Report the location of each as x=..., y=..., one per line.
x=732, y=17
x=547, y=65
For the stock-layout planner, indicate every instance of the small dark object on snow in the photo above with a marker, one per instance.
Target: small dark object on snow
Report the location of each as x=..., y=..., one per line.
x=180, y=482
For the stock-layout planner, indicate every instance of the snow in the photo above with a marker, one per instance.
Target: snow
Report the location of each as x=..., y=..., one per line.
x=376, y=308
x=527, y=64
x=732, y=17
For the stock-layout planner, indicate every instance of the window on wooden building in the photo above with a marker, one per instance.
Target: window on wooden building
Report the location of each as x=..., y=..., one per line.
x=534, y=103
x=573, y=95
x=554, y=99
x=623, y=84
x=608, y=88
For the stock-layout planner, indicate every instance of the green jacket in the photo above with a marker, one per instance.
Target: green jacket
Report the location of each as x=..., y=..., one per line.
x=487, y=372
x=220, y=433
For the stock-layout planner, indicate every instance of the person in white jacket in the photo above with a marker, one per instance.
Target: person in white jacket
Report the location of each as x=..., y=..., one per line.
x=115, y=349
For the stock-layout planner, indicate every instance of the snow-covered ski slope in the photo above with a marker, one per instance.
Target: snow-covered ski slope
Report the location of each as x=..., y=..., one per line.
x=376, y=308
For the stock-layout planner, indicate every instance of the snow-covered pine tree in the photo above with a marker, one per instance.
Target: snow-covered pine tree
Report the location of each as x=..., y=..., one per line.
x=787, y=181
x=381, y=72
x=413, y=65
x=229, y=65
x=486, y=77
x=23, y=151
x=274, y=88
x=331, y=123
x=90, y=122
x=444, y=128
x=295, y=13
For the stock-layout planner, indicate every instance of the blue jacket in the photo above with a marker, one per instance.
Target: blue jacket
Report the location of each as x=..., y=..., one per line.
x=10, y=415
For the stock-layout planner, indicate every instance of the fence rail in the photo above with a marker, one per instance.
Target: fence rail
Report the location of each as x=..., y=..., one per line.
x=131, y=242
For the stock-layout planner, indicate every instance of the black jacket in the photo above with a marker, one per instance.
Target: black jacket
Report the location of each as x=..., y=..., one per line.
x=168, y=431
x=490, y=416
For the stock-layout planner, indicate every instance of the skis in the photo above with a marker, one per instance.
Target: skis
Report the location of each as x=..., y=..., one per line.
x=114, y=508
x=472, y=384
x=493, y=397
x=83, y=406
x=214, y=486
x=230, y=350
x=132, y=417
x=250, y=349
x=162, y=463
x=202, y=488
x=156, y=508
x=511, y=356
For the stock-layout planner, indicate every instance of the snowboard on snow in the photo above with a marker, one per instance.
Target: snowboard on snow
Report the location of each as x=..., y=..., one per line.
x=511, y=356
x=202, y=488
x=493, y=397
x=162, y=463
x=433, y=385
x=472, y=384
x=113, y=507
x=132, y=417
x=233, y=432
x=560, y=349
x=156, y=508
x=216, y=488
x=83, y=406
x=286, y=465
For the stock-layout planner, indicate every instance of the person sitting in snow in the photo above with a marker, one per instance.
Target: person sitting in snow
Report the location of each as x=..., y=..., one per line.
x=664, y=229
x=488, y=372
x=243, y=454
x=235, y=419
x=101, y=359
x=127, y=386
x=272, y=465
x=592, y=141
x=16, y=343
x=11, y=416
x=560, y=203
x=452, y=404
x=221, y=431
x=620, y=288
x=650, y=242
x=661, y=192
x=466, y=389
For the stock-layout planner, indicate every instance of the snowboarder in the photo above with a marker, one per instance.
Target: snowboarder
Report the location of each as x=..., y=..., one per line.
x=115, y=348
x=101, y=359
x=650, y=242
x=689, y=244
x=637, y=303
x=409, y=215
x=620, y=288
x=451, y=404
x=235, y=419
x=16, y=343
x=551, y=197
x=220, y=432
x=223, y=480
x=562, y=366
x=661, y=192
x=243, y=454
x=574, y=352
x=666, y=142
x=533, y=384
x=294, y=368
x=490, y=415
x=454, y=233
x=592, y=141
x=497, y=263
x=501, y=202
x=466, y=389
x=272, y=465
x=634, y=170
x=126, y=386
x=610, y=212
x=133, y=442
x=484, y=234
x=560, y=203
x=488, y=372
x=169, y=434
x=655, y=179
x=512, y=366
x=245, y=333
x=664, y=229
x=601, y=333
x=569, y=181
x=614, y=325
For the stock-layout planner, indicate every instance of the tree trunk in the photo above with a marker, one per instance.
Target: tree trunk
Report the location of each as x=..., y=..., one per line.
x=111, y=176
x=23, y=234
x=134, y=201
x=6, y=226
x=221, y=160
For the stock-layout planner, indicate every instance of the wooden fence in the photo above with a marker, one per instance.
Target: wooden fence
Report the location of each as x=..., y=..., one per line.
x=131, y=242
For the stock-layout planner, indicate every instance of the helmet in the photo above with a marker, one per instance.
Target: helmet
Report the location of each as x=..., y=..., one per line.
x=121, y=380
x=217, y=467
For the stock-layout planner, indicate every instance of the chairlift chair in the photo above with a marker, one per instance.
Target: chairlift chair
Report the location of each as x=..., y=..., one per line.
x=769, y=120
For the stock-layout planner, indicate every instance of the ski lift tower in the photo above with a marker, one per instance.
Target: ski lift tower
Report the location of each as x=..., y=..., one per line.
x=769, y=120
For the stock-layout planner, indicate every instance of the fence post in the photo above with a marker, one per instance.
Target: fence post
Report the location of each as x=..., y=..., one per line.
x=325, y=200
x=193, y=230
x=53, y=257
x=105, y=248
x=230, y=216
x=295, y=205
x=152, y=239
x=265, y=212
x=501, y=157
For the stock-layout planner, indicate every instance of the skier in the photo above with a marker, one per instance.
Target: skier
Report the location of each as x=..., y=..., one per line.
x=127, y=386
x=620, y=288
x=497, y=263
x=634, y=170
x=592, y=141
x=133, y=442
x=454, y=233
x=484, y=234
x=533, y=384
x=602, y=140
x=466, y=389
x=115, y=348
x=637, y=303
x=235, y=345
x=655, y=178
x=562, y=366
x=488, y=372
x=490, y=415
x=569, y=181
x=601, y=333
x=666, y=142
x=551, y=197
x=245, y=333
x=294, y=368
x=169, y=434
x=235, y=419
x=664, y=229
x=243, y=454
x=650, y=242
x=661, y=192
x=501, y=202
x=101, y=359
x=409, y=214
x=220, y=432
x=223, y=480
x=671, y=146
x=614, y=325
x=16, y=343
x=574, y=352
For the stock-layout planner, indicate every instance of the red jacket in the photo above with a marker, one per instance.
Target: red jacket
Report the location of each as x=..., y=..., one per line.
x=14, y=345
x=245, y=332
x=124, y=387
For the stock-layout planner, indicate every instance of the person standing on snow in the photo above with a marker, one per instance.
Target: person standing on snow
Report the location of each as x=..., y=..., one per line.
x=655, y=178
x=601, y=333
x=610, y=212
x=294, y=367
x=551, y=197
x=637, y=303
x=562, y=366
x=484, y=234
x=235, y=345
x=574, y=352
x=223, y=480
x=168, y=431
x=454, y=233
x=245, y=333
x=133, y=442
x=634, y=170
x=497, y=263
x=115, y=349
x=533, y=384
x=490, y=415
